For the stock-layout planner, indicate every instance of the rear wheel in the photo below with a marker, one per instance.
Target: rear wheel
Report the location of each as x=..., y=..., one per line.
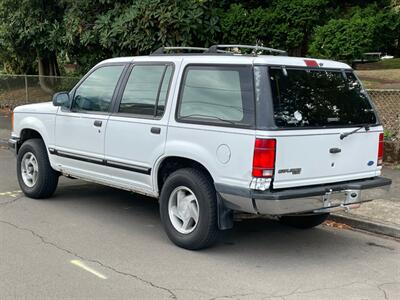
x=36, y=177
x=188, y=209
x=304, y=221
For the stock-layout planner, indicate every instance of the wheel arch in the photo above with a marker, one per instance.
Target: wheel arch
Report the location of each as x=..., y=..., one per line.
x=33, y=126
x=27, y=134
x=169, y=164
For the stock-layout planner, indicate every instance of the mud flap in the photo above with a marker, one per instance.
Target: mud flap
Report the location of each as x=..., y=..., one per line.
x=225, y=215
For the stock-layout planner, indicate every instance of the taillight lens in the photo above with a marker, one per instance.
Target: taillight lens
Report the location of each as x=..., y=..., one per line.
x=380, y=150
x=264, y=158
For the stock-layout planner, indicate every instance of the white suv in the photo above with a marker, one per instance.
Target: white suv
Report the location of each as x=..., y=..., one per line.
x=209, y=134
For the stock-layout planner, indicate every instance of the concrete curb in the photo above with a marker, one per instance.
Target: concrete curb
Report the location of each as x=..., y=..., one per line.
x=3, y=143
x=366, y=224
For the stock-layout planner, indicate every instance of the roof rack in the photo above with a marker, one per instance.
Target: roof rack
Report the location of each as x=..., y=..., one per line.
x=215, y=48
x=164, y=50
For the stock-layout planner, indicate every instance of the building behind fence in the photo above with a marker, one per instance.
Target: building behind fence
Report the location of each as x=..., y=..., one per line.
x=20, y=89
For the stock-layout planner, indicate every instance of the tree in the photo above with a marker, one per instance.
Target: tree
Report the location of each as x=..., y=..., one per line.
x=35, y=34
x=286, y=24
x=293, y=23
x=245, y=26
x=387, y=31
x=31, y=31
x=365, y=30
x=100, y=28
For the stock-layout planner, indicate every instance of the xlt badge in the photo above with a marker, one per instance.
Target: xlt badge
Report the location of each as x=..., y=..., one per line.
x=294, y=171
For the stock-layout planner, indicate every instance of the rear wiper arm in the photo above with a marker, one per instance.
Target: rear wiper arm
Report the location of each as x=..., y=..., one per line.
x=345, y=134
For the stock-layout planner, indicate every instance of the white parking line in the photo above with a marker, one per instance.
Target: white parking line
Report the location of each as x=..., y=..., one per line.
x=81, y=265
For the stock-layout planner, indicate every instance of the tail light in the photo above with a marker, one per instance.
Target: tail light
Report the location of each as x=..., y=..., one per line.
x=264, y=158
x=380, y=150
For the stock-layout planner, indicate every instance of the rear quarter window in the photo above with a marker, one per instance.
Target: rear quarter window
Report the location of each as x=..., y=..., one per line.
x=217, y=95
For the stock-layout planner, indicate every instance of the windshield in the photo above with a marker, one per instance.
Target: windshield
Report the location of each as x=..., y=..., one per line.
x=319, y=98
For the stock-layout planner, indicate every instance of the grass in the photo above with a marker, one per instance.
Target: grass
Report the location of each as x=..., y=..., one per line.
x=384, y=74
x=380, y=79
x=381, y=65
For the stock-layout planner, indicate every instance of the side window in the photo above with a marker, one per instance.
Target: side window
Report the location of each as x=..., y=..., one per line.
x=217, y=94
x=95, y=93
x=146, y=90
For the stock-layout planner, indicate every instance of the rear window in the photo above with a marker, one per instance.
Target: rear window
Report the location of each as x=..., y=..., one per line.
x=146, y=90
x=318, y=98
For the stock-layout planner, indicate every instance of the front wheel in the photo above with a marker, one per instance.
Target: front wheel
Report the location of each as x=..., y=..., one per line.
x=188, y=209
x=304, y=221
x=36, y=177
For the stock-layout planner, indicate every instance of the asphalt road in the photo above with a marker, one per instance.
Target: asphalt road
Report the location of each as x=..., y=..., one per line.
x=94, y=242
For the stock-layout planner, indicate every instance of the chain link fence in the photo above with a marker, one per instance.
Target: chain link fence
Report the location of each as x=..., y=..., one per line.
x=21, y=89
x=387, y=103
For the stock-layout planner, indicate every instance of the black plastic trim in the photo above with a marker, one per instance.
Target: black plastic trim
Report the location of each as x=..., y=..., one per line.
x=127, y=167
x=302, y=192
x=155, y=130
x=13, y=145
x=102, y=162
x=263, y=99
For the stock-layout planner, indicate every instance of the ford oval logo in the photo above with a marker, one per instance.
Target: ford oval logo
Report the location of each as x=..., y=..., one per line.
x=370, y=163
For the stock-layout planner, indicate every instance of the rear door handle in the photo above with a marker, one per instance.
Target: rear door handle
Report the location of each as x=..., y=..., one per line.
x=97, y=123
x=155, y=130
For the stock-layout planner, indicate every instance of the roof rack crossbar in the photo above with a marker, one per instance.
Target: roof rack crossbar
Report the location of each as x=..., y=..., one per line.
x=162, y=50
x=214, y=49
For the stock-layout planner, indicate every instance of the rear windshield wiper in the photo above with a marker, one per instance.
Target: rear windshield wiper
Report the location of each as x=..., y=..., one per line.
x=345, y=134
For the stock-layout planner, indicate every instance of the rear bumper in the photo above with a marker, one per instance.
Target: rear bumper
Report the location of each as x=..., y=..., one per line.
x=313, y=199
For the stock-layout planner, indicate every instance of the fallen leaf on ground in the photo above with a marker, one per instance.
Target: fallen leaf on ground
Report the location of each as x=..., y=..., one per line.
x=334, y=224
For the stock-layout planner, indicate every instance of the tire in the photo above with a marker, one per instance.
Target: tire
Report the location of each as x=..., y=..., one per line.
x=196, y=235
x=304, y=221
x=44, y=183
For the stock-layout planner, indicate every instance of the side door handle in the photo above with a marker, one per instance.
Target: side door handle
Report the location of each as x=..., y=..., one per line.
x=155, y=130
x=335, y=150
x=97, y=123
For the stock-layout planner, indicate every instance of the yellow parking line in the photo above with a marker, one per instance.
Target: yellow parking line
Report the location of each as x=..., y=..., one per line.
x=81, y=265
x=11, y=194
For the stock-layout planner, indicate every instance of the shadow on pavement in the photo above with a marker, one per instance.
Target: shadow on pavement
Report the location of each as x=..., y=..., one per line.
x=253, y=237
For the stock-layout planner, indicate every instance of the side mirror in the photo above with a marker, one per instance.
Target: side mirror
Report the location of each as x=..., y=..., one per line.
x=61, y=99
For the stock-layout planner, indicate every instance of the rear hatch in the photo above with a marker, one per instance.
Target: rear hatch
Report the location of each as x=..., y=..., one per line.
x=313, y=108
